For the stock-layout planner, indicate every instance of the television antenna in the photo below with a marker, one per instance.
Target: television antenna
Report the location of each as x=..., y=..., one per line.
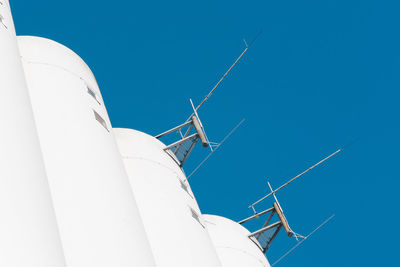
x=192, y=130
x=247, y=46
x=181, y=149
x=264, y=236
x=295, y=178
x=302, y=173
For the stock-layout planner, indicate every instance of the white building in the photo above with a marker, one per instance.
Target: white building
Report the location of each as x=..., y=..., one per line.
x=75, y=192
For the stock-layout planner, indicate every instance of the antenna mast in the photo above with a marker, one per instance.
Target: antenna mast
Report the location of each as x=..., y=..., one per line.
x=225, y=74
x=181, y=149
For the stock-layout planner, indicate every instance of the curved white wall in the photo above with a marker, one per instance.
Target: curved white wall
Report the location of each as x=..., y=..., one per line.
x=166, y=203
x=28, y=230
x=97, y=215
x=233, y=246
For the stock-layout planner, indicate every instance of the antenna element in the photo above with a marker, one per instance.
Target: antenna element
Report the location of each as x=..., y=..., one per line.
x=225, y=74
x=297, y=176
x=216, y=148
x=304, y=239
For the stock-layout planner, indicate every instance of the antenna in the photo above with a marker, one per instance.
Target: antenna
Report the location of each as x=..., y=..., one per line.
x=264, y=236
x=267, y=233
x=303, y=239
x=225, y=74
x=216, y=148
x=296, y=177
x=181, y=149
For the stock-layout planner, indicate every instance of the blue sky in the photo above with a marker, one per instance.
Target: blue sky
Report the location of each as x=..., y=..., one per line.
x=321, y=74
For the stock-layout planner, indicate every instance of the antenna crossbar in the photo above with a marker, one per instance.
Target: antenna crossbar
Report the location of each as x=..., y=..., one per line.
x=265, y=228
x=183, y=140
x=255, y=216
x=177, y=128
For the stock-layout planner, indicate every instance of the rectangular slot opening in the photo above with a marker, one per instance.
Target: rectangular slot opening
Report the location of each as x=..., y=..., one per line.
x=100, y=120
x=93, y=94
x=196, y=216
x=184, y=186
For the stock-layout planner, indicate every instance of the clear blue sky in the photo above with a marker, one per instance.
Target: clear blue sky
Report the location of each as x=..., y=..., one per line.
x=321, y=74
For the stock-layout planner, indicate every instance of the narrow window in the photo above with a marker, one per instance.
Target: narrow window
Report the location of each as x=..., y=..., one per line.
x=196, y=216
x=2, y=20
x=92, y=94
x=185, y=187
x=100, y=119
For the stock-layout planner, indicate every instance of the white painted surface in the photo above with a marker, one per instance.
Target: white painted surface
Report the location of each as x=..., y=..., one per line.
x=176, y=237
x=99, y=222
x=233, y=246
x=28, y=230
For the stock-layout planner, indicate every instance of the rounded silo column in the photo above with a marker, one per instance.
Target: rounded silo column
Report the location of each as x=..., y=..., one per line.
x=173, y=221
x=28, y=230
x=99, y=222
x=233, y=245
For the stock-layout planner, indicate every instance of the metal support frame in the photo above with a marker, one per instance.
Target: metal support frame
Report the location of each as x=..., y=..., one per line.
x=176, y=147
x=185, y=135
x=255, y=216
x=274, y=211
x=183, y=140
x=265, y=228
x=177, y=128
x=267, y=221
x=189, y=151
x=272, y=238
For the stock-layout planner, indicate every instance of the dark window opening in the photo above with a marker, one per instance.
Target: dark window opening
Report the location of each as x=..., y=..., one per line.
x=100, y=120
x=92, y=94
